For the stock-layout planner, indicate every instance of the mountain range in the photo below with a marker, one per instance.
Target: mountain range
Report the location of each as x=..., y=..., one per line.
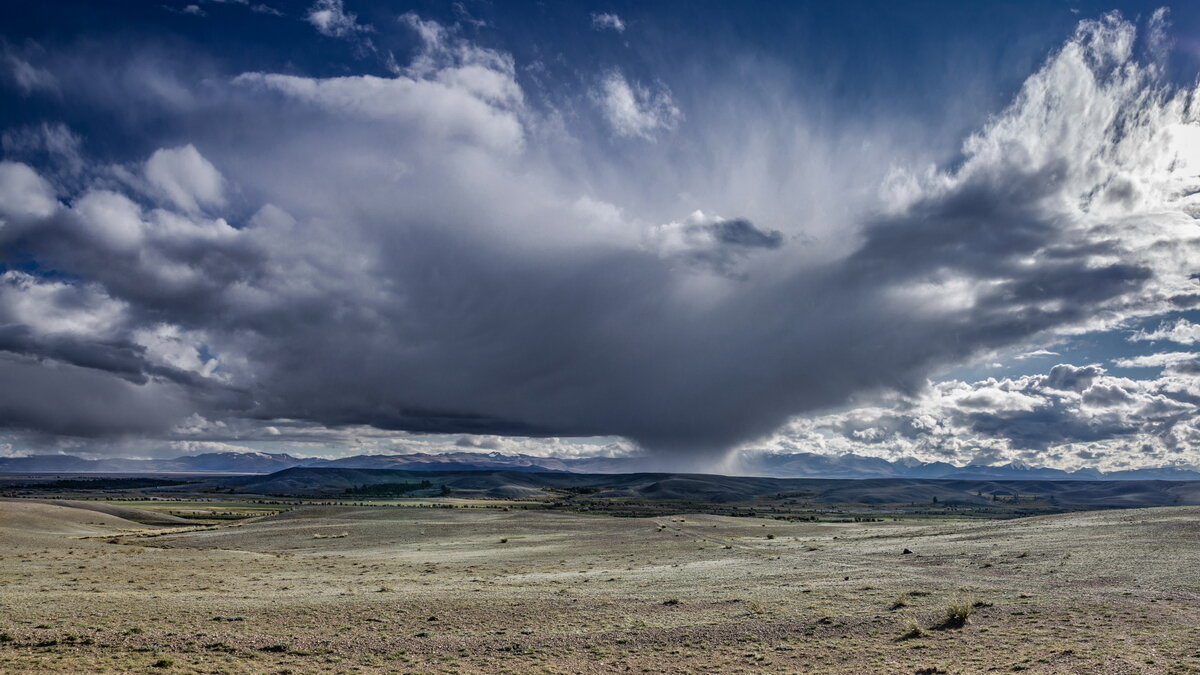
x=794, y=465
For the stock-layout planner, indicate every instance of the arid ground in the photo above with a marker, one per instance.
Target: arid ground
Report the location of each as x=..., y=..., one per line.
x=91, y=587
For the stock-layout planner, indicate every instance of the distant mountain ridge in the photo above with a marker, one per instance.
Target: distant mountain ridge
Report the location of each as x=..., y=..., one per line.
x=794, y=465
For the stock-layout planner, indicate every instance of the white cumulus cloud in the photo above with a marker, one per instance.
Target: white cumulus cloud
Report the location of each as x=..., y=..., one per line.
x=185, y=178
x=1181, y=331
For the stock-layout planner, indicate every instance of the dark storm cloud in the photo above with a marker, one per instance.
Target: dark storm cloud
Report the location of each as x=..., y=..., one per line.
x=58, y=399
x=407, y=252
x=743, y=233
x=125, y=360
x=716, y=243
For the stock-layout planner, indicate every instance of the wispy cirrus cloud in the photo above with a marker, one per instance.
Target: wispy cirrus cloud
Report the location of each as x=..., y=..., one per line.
x=331, y=19
x=633, y=110
x=608, y=21
x=1155, y=360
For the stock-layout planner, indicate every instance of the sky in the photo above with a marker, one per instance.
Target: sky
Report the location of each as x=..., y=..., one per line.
x=942, y=231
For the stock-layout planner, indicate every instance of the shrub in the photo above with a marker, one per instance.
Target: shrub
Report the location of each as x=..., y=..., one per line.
x=163, y=663
x=957, y=612
x=912, y=629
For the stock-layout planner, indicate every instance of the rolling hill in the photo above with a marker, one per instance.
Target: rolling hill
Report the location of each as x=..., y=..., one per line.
x=1075, y=494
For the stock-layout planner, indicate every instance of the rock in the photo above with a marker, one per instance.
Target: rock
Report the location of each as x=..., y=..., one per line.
x=905, y=552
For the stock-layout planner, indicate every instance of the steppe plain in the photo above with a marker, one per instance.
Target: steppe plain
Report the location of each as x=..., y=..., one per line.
x=94, y=587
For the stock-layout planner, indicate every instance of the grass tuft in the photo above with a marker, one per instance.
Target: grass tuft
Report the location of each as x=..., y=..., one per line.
x=957, y=612
x=912, y=629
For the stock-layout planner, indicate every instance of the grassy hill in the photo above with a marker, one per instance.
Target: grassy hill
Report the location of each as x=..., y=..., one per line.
x=715, y=489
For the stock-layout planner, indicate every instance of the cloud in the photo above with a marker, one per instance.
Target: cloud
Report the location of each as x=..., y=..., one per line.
x=257, y=8
x=29, y=78
x=1037, y=353
x=443, y=252
x=48, y=307
x=1155, y=360
x=24, y=194
x=55, y=141
x=711, y=242
x=331, y=19
x=1181, y=331
x=1061, y=418
x=185, y=178
x=451, y=90
x=634, y=111
x=608, y=21
x=64, y=399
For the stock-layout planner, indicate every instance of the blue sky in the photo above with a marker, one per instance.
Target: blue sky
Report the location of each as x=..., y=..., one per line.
x=957, y=232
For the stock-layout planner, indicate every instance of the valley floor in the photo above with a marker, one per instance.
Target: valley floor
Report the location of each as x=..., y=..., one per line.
x=373, y=589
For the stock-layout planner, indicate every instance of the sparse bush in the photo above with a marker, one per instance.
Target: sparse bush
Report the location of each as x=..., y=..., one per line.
x=770, y=536
x=957, y=612
x=671, y=601
x=504, y=540
x=912, y=629
x=900, y=602
x=163, y=663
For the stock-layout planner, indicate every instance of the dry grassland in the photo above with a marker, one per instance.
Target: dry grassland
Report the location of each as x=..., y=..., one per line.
x=345, y=589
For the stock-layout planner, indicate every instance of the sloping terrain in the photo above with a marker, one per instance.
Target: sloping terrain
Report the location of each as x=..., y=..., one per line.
x=729, y=489
x=77, y=518
x=139, y=516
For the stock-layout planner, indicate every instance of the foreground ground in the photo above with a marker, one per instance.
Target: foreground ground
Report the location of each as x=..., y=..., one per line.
x=366, y=589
